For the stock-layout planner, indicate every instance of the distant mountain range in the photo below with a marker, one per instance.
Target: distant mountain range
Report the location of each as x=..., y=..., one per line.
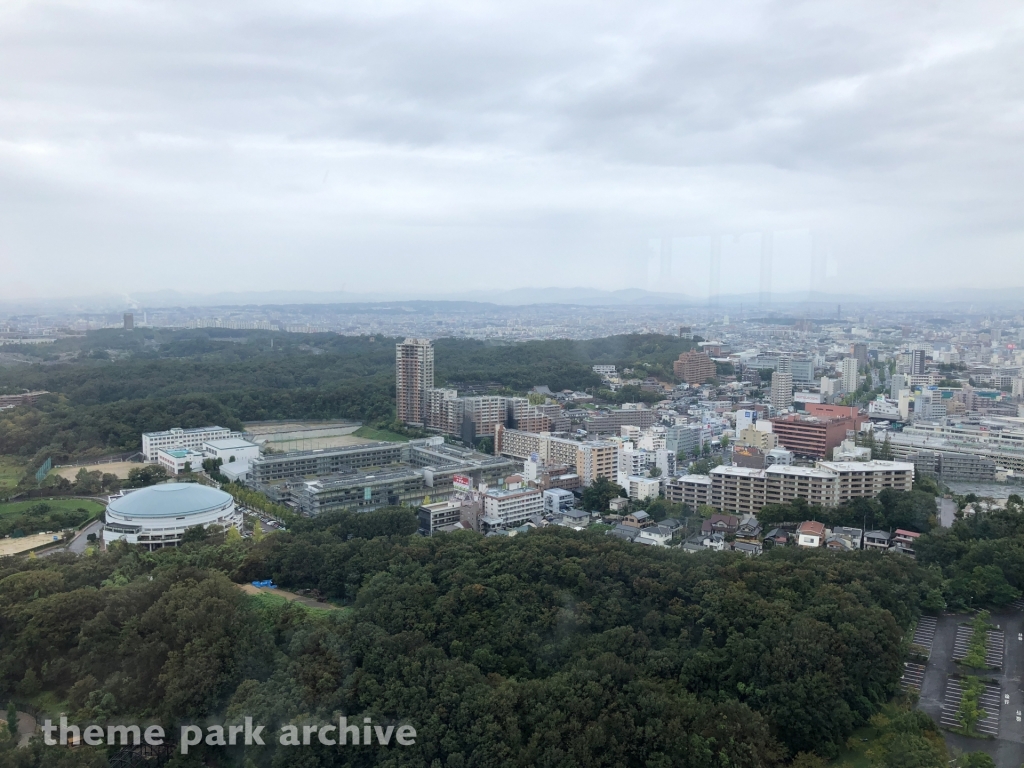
x=575, y=296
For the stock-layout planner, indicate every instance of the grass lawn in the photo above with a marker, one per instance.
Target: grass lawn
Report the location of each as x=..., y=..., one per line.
x=857, y=757
x=10, y=473
x=14, y=507
x=369, y=433
x=269, y=599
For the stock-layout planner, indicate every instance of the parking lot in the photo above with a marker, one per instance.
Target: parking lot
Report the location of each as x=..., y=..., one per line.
x=913, y=676
x=939, y=694
x=989, y=701
x=924, y=634
x=994, y=646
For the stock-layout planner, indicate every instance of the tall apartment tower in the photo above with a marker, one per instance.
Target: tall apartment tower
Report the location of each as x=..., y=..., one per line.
x=859, y=352
x=917, y=362
x=129, y=321
x=414, y=376
x=898, y=382
x=850, y=378
x=782, y=390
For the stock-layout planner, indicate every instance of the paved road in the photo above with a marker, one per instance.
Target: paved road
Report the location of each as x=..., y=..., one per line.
x=26, y=728
x=947, y=510
x=79, y=543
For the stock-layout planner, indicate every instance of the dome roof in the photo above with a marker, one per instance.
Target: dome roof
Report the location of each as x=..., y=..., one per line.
x=169, y=500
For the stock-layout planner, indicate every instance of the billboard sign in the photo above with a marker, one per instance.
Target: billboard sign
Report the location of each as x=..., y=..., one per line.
x=461, y=483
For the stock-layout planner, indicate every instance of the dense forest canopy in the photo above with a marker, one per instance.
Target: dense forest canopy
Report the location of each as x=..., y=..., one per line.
x=113, y=385
x=554, y=648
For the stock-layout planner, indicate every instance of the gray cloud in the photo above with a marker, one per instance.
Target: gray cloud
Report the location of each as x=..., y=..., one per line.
x=454, y=146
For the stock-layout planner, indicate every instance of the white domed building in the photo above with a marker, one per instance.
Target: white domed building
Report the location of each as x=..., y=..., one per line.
x=159, y=515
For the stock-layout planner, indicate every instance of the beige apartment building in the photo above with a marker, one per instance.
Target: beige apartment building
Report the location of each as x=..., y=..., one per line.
x=597, y=459
x=869, y=478
x=692, y=490
x=414, y=375
x=742, y=490
x=753, y=437
x=519, y=444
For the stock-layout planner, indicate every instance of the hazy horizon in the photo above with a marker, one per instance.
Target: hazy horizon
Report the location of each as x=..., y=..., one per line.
x=446, y=149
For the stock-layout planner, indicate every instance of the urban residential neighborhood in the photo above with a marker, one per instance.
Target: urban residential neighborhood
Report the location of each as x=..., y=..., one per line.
x=512, y=385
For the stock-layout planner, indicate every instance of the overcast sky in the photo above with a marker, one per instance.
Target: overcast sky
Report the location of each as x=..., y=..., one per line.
x=440, y=147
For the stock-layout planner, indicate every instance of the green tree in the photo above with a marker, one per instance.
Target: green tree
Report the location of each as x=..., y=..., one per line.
x=970, y=711
x=12, y=719
x=597, y=495
x=150, y=474
x=88, y=483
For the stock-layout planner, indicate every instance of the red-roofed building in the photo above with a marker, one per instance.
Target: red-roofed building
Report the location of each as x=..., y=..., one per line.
x=810, y=533
x=904, y=541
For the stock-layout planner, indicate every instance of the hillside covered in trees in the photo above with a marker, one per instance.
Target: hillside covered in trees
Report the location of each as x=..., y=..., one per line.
x=112, y=385
x=554, y=648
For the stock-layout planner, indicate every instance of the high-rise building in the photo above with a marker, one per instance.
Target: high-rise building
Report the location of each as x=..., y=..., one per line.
x=917, y=362
x=694, y=367
x=802, y=369
x=414, y=376
x=859, y=352
x=899, y=381
x=129, y=321
x=851, y=377
x=782, y=390
x=597, y=459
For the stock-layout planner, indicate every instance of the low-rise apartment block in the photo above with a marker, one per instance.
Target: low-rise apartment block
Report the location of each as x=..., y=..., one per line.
x=509, y=508
x=744, y=490
x=692, y=490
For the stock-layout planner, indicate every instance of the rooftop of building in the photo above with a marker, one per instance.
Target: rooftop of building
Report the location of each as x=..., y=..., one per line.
x=505, y=493
x=229, y=443
x=737, y=471
x=560, y=492
x=811, y=528
x=693, y=479
x=179, y=453
x=168, y=500
x=867, y=466
x=789, y=469
x=181, y=431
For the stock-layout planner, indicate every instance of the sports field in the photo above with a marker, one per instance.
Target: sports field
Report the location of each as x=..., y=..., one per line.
x=119, y=468
x=14, y=507
x=14, y=546
x=10, y=473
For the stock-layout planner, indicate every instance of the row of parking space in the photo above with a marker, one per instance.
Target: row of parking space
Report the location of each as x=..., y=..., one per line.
x=994, y=648
x=988, y=701
x=994, y=644
x=924, y=633
x=913, y=676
